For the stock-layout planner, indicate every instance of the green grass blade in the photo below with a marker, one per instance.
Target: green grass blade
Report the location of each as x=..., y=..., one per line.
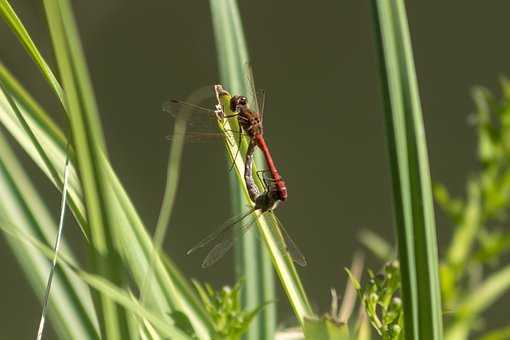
x=33, y=139
x=115, y=293
x=252, y=261
x=70, y=306
x=17, y=27
x=325, y=329
x=172, y=180
x=56, y=248
x=410, y=171
x=273, y=239
x=171, y=290
x=89, y=145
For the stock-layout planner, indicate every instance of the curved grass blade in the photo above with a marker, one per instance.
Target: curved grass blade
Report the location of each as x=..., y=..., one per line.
x=410, y=171
x=268, y=228
x=89, y=144
x=117, y=294
x=17, y=27
x=71, y=310
x=172, y=180
x=171, y=290
x=252, y=261
x=56, y=248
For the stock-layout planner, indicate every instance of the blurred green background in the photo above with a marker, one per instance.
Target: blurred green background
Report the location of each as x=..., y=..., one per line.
x=313, y=61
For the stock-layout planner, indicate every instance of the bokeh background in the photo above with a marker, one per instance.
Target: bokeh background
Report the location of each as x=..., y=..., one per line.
x=323, y=120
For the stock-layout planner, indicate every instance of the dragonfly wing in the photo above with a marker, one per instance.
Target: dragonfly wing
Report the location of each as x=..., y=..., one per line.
x=291, y=247
x=196, y=116
x=225, y=228
x=220, y=249
x=261, y=100
x=195, y=120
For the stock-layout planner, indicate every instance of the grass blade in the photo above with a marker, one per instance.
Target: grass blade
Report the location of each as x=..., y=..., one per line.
x=252, y=261
x=410, y=171
x=270, y=233
x=56, y=248
x=117, y=294
x=89, y=145
x=172, y=291
x=17, y=27
x=71, y=310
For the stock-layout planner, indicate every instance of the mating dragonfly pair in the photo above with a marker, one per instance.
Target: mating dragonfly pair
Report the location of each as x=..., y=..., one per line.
x=201, y=124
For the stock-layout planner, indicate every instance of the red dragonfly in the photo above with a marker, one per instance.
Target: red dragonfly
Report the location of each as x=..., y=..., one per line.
x=202, y=125
x=234, y=228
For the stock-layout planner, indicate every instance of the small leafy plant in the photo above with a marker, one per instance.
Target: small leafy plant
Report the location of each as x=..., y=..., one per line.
x=224, y=307
x=381, y=301
x=471, y=271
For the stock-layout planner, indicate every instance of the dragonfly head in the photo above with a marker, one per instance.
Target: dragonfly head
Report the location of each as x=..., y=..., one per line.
x=237, y=103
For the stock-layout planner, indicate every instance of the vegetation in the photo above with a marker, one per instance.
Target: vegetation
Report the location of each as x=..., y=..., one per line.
x=131, y=289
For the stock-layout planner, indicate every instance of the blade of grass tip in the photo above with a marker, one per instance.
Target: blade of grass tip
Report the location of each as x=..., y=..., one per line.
x=410, y=171
x=17, y=27
x=269, y=231
x=89, y=143
x=350, y=294
x=252, y=261
x=55, y=250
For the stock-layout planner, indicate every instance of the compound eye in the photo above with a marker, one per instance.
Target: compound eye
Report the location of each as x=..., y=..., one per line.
x=242, y=100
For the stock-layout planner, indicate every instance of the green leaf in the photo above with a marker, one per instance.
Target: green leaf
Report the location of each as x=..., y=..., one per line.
x=17, y=27
x=71, y=310
x=252, y=261
x=170, y=290
x=414, y=211
x=107, y=288
x=325, y=329
x=89, y=146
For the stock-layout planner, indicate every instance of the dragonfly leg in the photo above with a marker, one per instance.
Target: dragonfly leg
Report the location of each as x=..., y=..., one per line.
x=237, y=152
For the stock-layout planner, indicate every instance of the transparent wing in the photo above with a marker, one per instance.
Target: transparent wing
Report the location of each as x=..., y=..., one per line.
x=220, y=249
x=291, y=247
x=257, y=97
x=261, y=100
x=225, y=237
x=194, y=119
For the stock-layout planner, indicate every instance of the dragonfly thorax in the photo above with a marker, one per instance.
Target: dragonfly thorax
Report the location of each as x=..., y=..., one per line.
x=250, y=122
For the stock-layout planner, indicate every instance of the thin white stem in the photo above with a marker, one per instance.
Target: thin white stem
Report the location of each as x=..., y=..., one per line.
x=55, y=250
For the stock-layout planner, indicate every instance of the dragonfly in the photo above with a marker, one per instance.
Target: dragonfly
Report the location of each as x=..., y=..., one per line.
x=226, y=236
x=201, y=124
